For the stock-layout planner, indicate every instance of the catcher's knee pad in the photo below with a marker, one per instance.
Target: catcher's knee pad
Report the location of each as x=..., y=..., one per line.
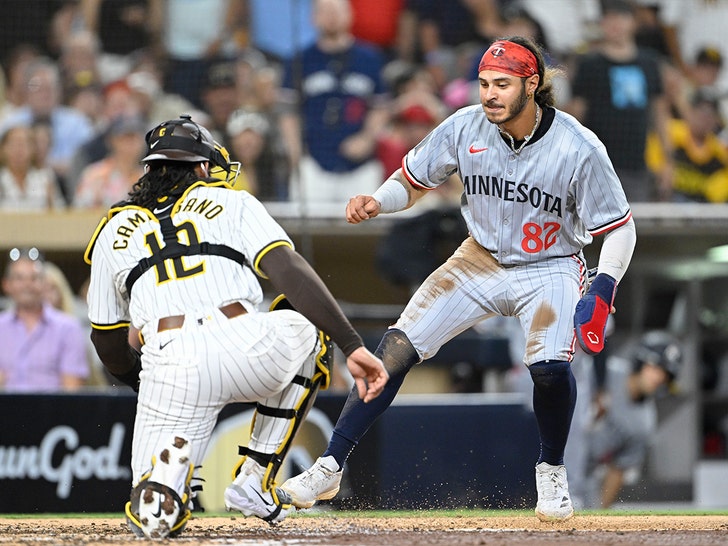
x=397, y=352
x=159, y=503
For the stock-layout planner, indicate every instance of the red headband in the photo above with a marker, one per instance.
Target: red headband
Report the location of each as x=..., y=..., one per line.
x=509, y=58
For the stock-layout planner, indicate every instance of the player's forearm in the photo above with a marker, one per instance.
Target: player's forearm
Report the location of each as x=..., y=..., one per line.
x=292, y=275
x=396, y=193
x=117, y=356
x=617, y=249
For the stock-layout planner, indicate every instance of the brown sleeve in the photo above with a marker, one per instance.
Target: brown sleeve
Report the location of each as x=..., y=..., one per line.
x=292, y=275
x=117, y=356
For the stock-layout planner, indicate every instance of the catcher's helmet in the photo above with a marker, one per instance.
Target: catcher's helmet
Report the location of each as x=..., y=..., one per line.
x=661, y=349
x=183, y=140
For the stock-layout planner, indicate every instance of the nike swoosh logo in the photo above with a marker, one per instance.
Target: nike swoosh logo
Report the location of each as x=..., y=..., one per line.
x=158, y=211
x=163, y=345
x=261, y=498
x=153, y=144
x=159, y=504
x=474, y=150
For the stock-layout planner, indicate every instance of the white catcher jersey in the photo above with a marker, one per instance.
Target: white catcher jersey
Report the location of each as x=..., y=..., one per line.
x=547, y=201
x=207, y=212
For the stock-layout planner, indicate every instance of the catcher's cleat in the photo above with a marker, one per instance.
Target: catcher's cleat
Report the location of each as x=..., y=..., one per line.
x=247, y=495
x=554, y=502
x=320, y=482
x=159, y=504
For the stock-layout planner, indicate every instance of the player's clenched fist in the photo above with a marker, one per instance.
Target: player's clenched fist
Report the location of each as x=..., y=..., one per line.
x=362, y=207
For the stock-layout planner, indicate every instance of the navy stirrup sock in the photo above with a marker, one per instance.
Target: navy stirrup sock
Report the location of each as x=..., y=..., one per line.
x=357, y=417
x=398, y=356
x=554, y=399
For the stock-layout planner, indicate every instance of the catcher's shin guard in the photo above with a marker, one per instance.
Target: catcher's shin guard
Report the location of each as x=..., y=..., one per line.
x=159, y=503
x=278, y=418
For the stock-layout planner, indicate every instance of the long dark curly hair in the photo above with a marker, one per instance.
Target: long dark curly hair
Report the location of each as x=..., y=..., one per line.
x=164, y=179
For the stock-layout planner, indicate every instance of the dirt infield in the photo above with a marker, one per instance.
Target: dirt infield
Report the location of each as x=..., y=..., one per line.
x=349, y=530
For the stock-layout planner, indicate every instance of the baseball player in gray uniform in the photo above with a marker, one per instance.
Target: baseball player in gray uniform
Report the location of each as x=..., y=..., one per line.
x=537, y=187
x=178, y=261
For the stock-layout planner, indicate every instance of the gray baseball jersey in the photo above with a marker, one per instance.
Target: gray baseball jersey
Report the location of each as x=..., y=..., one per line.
x=546, y=201
x=529, y=215
x=191, y=372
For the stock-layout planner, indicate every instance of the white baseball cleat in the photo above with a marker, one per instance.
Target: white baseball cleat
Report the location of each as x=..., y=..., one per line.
x=554, y=502
x=246, y=495
x=159, y=503
x=320, y=482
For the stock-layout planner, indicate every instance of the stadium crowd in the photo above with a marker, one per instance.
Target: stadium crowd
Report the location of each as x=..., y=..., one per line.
x=321, y=98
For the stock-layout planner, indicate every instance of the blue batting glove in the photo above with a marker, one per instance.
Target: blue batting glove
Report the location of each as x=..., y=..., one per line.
x=592, y=312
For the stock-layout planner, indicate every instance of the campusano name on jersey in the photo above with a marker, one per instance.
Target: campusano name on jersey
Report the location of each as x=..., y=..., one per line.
x=509, y=190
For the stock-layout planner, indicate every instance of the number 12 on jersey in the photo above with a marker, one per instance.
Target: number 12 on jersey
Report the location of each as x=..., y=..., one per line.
x=537, y=238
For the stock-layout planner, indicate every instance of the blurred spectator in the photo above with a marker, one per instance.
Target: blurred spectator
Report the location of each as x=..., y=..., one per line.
x=377, y=26
x=339, y=88
x=117, y=99
x=44, y=349
x=123, y=28
x=690, y=26
x=24, y=186
x=568, y=25
x=219, y=97
x=193, y=33
x=264, y=160
x=700, y=158
x=280, y=28
x=89, y=101
x=702, y=73
x=79, y=64
x=707, y=67
x=414, y=116
x=15, y=83
x=79, y=61
x=650, y=27
x=617, y=92
x=249, y=63
x=66, y=21
x=155, y=104
x=43, y=102
x=108, y=181
x=443, y=26
x=58, y=293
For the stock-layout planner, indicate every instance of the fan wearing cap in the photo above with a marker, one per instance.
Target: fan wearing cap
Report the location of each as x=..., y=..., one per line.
x=253, y=141
x=699, y=156
x=179, y=260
